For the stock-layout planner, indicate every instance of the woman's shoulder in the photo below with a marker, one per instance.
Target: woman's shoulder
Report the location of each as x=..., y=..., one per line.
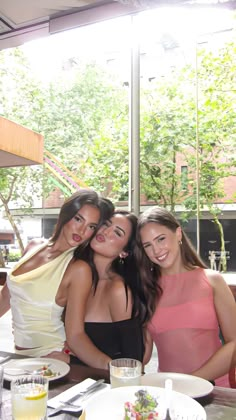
x=75, y=269
x=35, y=243
x=214, y=277
x=80, y=265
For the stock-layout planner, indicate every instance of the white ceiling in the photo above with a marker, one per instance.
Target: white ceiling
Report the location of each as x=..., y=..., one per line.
x=23, y=20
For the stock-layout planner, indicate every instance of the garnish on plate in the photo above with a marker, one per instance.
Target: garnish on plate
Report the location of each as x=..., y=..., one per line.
x=144, y=407
x=47, y=372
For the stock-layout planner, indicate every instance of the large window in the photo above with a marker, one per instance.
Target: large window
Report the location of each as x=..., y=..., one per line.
x=75, y=89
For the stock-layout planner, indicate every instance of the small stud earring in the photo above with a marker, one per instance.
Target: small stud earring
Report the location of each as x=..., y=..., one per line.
x=180, y=242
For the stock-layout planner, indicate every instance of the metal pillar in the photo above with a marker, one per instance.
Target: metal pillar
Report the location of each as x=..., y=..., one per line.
x=197, y=161
x=134, y=122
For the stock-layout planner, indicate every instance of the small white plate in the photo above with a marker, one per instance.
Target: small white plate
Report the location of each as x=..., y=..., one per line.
x=110, y=404
x=186, y=384
x=16, y=368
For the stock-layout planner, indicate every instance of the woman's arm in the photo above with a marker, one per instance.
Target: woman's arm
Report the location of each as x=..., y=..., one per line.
x=4, y=300
x=219, y=364
x=225, y=305
x=79, y=280
x=148, y=343
x=225, y=358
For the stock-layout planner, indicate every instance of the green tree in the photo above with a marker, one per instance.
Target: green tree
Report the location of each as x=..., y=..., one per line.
x=18, y=186
x=83, y=115
x=81, y=107
x=167, y=130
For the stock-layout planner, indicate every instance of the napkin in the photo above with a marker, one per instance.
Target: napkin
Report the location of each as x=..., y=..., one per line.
x=74, y=390
x=4, y=358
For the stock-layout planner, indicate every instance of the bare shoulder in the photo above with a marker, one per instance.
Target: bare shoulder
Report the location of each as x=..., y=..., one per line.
x=215, y=278
x=34, y=243
x=78, y=269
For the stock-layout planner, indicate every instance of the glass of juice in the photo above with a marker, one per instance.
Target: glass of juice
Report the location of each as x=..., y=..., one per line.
x=125, y=372
x=29, y=398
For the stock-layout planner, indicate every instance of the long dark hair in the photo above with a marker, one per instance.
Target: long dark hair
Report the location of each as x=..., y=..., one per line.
x=150, y=273
x=125, y=267
x=74, y=203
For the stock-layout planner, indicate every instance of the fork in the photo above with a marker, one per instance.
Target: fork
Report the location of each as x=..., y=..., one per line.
x=167, y=394
x=81, y=396
x=64, y=406
x=24, y=371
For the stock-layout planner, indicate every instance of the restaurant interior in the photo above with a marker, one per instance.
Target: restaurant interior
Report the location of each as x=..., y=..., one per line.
x=19, y=146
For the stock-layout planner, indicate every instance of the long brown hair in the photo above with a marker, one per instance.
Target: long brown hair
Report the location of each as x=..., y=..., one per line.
x=150, y=273
x=126, y=268
x=74, y=203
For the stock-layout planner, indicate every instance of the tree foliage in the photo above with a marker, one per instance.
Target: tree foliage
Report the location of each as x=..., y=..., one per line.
x=83, y=115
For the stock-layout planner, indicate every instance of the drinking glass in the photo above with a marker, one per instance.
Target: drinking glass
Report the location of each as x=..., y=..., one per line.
x=1, y=383
x=29, y=398
x=125, y=372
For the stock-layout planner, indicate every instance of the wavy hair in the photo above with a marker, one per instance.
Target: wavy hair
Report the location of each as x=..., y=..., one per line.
x=150, y=273
x=126, y=268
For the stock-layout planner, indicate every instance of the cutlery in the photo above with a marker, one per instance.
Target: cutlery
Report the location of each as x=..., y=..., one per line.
x=87, y=391
x=168, y=393
x=11, y=371
x=66, y=407
x=81, y=396
x=4, y=359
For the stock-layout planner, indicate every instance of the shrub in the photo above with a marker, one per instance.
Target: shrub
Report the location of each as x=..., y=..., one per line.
x=12, y=257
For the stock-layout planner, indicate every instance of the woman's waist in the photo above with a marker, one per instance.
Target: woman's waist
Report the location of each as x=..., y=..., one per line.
x=187, y=337
x=38, y=351
x=38, y=338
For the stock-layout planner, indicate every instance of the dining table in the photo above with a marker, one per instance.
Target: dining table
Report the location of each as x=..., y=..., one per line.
x=220, y=404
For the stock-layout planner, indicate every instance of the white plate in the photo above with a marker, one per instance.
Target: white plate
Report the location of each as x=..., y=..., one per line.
x=16, y=367
x=186, y=384
x=110, y=404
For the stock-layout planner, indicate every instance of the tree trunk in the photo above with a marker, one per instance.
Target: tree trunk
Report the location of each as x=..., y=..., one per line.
x=2, y=262
x=14, y=226
x=223, y=259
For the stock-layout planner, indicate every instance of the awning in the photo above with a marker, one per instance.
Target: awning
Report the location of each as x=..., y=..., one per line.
x=19, y=146
x=25, y=20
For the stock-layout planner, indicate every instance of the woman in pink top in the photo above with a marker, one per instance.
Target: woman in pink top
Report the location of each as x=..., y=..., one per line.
x=187, y=304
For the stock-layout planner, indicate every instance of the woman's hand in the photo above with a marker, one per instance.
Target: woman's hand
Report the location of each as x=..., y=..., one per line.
x=67, y=349
x=59, y=355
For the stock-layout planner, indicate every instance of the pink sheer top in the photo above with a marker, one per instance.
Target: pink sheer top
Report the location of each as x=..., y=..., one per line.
x=184, y=326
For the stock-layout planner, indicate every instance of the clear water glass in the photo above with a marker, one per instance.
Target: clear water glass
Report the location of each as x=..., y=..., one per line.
x=125, y=372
